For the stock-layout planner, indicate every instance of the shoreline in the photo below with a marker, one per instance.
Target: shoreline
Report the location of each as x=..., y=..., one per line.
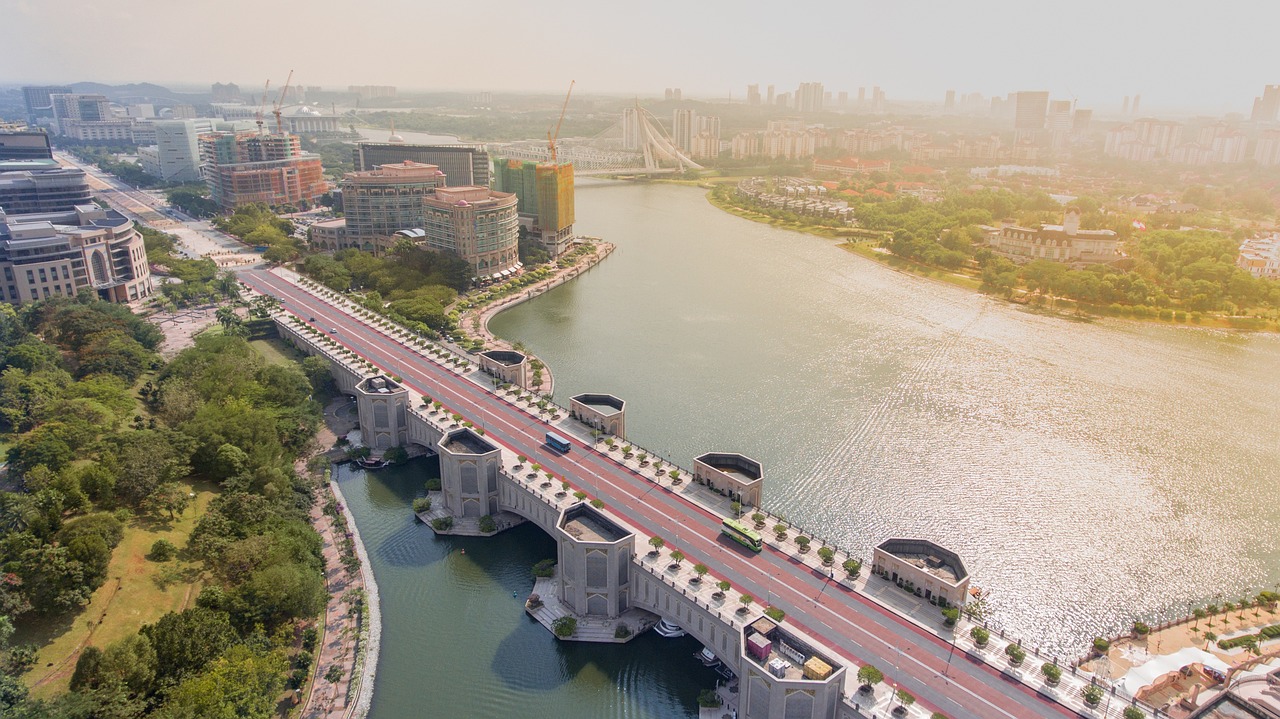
x=604, y=248
x=370, y=641
x=851, y=244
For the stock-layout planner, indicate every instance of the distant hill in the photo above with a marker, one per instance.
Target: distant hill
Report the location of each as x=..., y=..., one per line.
x=140, y=92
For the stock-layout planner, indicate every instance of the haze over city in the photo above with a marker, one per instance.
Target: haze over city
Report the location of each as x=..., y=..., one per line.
x=1210, y=60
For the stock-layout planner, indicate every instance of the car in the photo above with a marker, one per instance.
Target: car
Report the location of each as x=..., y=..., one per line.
x=312, y=319
x=333, y=330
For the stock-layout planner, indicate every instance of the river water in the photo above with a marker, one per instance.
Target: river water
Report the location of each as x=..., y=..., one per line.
x=457, y=643
x=1087, y=473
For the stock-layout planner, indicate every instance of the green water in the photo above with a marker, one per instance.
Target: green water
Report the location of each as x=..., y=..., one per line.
x=457, y=643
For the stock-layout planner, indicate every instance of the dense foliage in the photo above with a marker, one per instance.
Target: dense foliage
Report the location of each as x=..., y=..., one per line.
x=199, y=280
x=259, y=226
x=411, y=285
x=105, y=159
x=218, y=411
x=193, y=200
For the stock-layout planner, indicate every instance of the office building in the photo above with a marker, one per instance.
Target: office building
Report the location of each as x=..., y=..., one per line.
x=176, y=155
x=461, y=164
x=242, y=168
x=683, y=127
x=477, y=224
x=769, y=96
x=59, y=254
x=842, y=99
x=1030, y=112
x=809, y=97
x=1065, y=243
x=753, y=94
x=950, y=101
x=39, y=101
x=41, y=186
x=1265, y=108
x=1081, y=121
x=25, y=145
x=1059, y=122
x=181, y=111
x=545, y=200
x=82, y=108
x=378, y=203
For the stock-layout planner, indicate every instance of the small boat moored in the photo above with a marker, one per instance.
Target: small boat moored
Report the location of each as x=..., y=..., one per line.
x=668, y=629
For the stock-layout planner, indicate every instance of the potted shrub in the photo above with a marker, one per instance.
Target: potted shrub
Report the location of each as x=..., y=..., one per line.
x=1100, y=646
x=950, y=616
x=853, y=567
x=980, y=636
x=1092, y=695
x=780, y=531
x=803, y=543
x=869, y=676
x=1016, y=654
x=758, y=518
x=1134, y=713
x=677, y=557
x=746, y=600
x=721, y=587
x=828, y=556
x=1052, y=673
x=675, y=477
x=656, y=543
x=700, y=570
x=1141, y=629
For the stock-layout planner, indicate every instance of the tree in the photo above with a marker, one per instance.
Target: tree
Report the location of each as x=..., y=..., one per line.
x=186, y=641
x=281, y=592
x=746, y=600
x=1052, y=672
x=701, y=570
x=1133, y=713
x=169, y=497
x=905, y=697
x=240, y=684
x=980, y=636
x=677, y=556
x=869, y=675
x=723, y=585
x=656, y=543
x=162, y=550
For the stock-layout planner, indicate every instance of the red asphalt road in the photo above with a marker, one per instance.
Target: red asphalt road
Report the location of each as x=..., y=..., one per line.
x=911, y=658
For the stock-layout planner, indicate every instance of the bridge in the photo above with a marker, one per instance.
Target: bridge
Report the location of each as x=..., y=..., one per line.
x=803, y=666
x=635, y=145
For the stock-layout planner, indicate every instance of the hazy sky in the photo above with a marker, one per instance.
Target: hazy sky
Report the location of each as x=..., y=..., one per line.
x=1211, y=55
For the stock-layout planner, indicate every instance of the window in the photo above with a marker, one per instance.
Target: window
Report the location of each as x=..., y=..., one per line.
x=43, y=277
x=46, y=292
x=31, y=276
x=34, y=295
x=66, y=274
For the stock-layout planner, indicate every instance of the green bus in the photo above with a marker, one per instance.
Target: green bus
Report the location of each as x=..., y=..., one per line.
x=742, y=534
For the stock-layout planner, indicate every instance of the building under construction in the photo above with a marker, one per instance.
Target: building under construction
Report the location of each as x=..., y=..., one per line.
x=545, y=193
x=242, y=168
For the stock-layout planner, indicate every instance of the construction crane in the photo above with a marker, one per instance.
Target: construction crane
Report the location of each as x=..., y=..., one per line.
x=551, y=139
x=262, y=102
x=280, y=103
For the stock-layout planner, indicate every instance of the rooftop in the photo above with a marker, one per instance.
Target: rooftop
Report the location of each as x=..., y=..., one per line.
x=466, y=441
x=734, y=464
x=586, y=524
x=602, y=401
x=932, y=558
x=784, y=655
x=504, y=357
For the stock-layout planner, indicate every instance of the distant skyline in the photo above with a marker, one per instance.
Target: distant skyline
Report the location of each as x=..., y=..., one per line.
x=1214, y=60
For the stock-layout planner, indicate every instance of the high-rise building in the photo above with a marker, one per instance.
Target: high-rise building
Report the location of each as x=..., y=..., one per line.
x=478, y=224
x=706, y=140
x=85, y=108
x=950, y=101
x=25, y=145
x=39, y=101
x=1124, y=109
x=371, y=92
x=842, y=99
x=378, y=203
x=58, y=254
x=544, y=200
x=1137, y=100
x=242, y=168
x=1265, y=108
x=683, y=127
x=631, y=128
x=862, y=95
x=753, y=94
x=1059, y=122
x=1081, y=120
x=461, y=164
x=1029, y=112
x=769, y=95
x=1267, y=152
x=176, y=155
x=809, y=97
x=228, y=92
x=40, y=186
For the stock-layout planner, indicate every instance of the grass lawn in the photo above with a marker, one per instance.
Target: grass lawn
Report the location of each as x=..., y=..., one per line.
x=137, y=592
x=276, y=351
x=915, y=268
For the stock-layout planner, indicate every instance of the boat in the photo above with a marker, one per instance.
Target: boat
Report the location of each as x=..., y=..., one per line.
x=669, y=630
x=371, y=463
x=707, y=657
